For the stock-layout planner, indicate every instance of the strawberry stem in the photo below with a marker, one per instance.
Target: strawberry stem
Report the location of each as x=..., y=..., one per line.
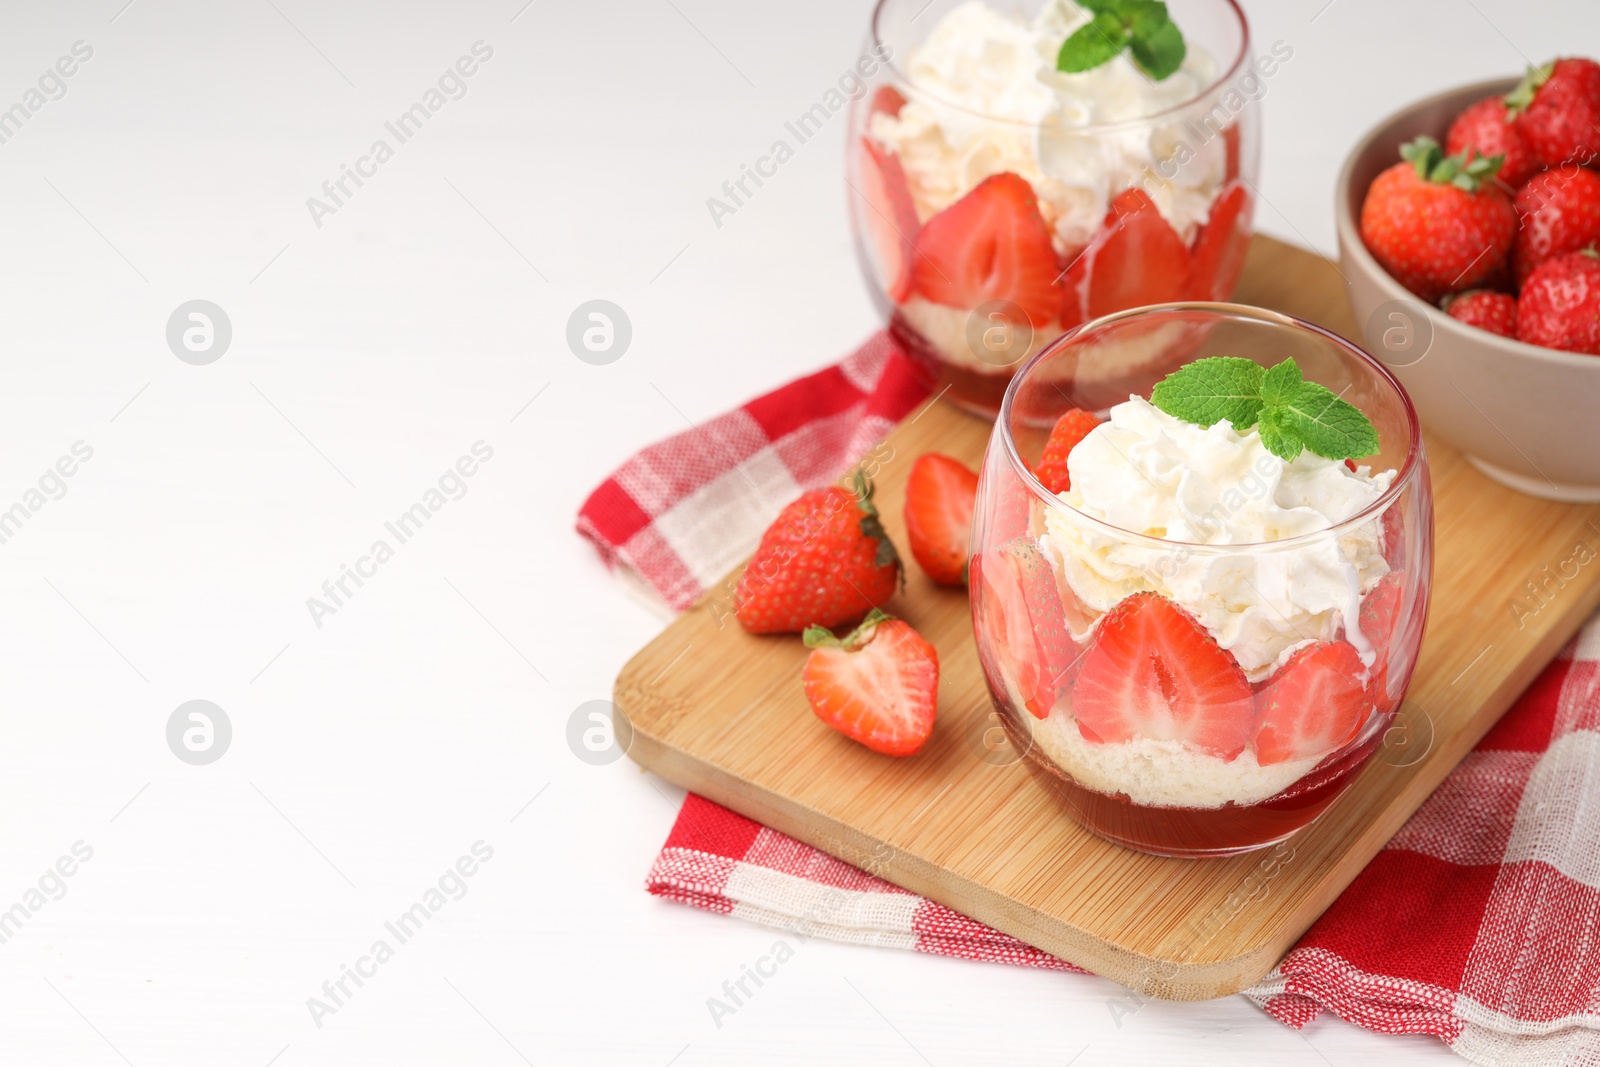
x=1433, y=165
x=1519, y=98
x=822, y=637
x=872, y=526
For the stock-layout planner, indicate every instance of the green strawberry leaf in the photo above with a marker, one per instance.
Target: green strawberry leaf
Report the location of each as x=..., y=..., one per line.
x=1518, y=99
x=1099, y=42
x=1212, y=389
x=871, y=525
x=1457, y=170
x=820, y=637
x=1327, y=425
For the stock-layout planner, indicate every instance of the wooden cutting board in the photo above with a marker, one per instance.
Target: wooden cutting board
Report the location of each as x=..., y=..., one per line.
x=721, y=712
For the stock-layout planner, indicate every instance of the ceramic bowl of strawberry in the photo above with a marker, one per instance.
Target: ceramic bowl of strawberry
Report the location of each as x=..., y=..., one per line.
x=999, y=200
x=1481, y=301
x=1196, y=640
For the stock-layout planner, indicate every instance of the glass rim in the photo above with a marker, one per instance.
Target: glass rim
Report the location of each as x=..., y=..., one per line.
x=1154, y=117
x=1406, y=473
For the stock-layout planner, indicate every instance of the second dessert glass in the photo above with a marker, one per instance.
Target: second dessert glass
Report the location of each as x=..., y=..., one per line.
x=998, y=203
x=1244, y=765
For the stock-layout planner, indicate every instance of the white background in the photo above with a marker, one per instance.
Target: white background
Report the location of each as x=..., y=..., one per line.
x=422, y=317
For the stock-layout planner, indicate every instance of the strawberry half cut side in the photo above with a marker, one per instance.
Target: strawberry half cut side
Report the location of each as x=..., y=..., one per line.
x=1136, y=259
x=878, y=686
x=992, y=244
x=1314, y=704
x=1152, y=671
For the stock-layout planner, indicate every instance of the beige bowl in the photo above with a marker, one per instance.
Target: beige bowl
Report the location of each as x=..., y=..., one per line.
x=1527, y=417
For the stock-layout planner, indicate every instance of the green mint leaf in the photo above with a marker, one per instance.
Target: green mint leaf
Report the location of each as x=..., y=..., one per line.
x=1212, y=389
x=1100, y=41
x=1280, y=383
x=1101, y=7
x=1330, y=427
x=1157, y=46
x=1276, y=436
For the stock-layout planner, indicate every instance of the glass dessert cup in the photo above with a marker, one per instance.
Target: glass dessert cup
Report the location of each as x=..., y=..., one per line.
x=1130, y=192
x=1320, y=629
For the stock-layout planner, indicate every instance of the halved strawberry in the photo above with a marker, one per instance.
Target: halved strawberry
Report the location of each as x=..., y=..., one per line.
x=1136, y=259
x=1153, y=671
x=1021, y=612
x=888, y=101
x=1312, y=705
x=992, y=244
x=878, y=686
x=940, y=494
x=1069, y=429
x=890, y=216
x=1221, y=245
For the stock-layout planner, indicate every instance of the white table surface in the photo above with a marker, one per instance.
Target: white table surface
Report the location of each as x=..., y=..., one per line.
x=371, y=752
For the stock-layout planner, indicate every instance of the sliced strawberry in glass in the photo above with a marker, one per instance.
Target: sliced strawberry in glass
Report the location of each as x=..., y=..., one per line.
x=1314, y=704
x=1394, y=542
x=1136, y=259
x=1152, y=671
x=1230, y=144
x=1221, y=245
x=888, y=101
x=1021, y=611
x=890, y=216
x=1380, y=613
x=992, y=244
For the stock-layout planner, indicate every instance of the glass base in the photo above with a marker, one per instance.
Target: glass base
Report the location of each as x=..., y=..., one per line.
x=1197, y=833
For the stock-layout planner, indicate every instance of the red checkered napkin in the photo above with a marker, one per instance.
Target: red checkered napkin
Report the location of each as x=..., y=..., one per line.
x=1479, y=923
x=682, y=513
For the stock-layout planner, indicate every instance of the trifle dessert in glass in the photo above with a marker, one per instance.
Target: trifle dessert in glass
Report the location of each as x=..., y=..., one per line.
x=999, y=199
x=1198, y=609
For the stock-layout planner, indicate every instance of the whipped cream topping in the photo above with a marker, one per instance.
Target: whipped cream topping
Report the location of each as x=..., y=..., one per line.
x=1147, y=472
x=992, y=100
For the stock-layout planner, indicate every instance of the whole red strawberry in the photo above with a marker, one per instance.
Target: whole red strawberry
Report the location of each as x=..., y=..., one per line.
x=824, y=561
x=1558, y=213
x=1558, y=111
x=1437, y=223
x=1495, y=312
x=1486, y=129
x=1560, y=304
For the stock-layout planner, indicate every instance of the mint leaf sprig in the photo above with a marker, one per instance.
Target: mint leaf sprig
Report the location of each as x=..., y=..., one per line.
x=1291, y=414
x=1141, y=27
